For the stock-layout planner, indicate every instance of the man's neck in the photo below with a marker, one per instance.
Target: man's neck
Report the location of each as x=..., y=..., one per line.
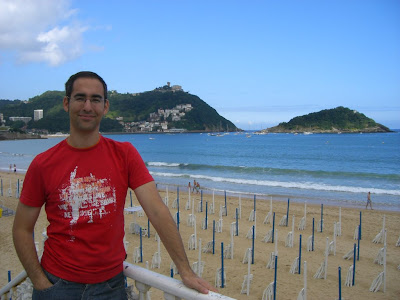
x=83, y=140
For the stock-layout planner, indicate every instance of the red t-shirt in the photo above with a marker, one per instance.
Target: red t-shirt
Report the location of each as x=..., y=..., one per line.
x=84, y=193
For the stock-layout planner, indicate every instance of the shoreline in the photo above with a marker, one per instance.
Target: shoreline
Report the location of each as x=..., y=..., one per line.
x=266, y=197
x=288, y=285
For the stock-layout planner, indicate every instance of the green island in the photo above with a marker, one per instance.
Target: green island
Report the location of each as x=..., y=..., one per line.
x=336, y=120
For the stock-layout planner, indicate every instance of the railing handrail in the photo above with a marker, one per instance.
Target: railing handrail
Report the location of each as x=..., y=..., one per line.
x=161, y=282
x=167, y=284
x=17, y=279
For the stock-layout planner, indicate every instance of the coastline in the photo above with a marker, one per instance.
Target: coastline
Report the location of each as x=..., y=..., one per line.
x=288, y=285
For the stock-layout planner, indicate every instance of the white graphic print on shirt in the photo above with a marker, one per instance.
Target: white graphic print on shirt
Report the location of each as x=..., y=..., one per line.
x=87, y=197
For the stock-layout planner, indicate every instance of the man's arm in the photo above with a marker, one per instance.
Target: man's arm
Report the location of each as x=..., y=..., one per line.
x=159, y=215
x=24, y=224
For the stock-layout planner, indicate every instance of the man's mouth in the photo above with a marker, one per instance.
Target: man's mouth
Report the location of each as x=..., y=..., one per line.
x=86, y=117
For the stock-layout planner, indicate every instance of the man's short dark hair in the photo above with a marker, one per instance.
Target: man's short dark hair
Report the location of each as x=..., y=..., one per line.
x=83, y=74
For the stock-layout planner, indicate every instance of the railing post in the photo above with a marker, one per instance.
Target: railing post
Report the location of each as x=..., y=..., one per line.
x=143, y=289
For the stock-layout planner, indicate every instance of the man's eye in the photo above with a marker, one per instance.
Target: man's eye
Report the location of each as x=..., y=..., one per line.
x=80, y=99
x=95, y=100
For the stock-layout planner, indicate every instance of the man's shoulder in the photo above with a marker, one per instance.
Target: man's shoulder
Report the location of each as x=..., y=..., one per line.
x=117, y=144
x=49, y=152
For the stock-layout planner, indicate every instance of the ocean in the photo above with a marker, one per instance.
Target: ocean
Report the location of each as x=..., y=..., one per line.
x=333, y=169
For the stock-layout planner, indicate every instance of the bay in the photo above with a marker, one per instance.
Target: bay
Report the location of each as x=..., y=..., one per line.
x=337, y=169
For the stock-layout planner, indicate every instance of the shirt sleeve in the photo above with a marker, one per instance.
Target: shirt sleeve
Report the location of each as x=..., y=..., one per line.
x=137, y=170
x=33, y=190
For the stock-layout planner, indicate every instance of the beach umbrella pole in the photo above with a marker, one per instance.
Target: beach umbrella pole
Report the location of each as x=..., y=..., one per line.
x=201, y=201
x=322, y=217
x=205, y=225
x=141, y=246
x=354, y=264
x=273, y=227
x=177, y=202
x=237, y=222
x=213, y=242
x=195, y=233
x=248, y=273
x=326, y=257
x=287, y=212
x=305, y=280
x=384, y=264
x=252, y=249
x=226, y=208
x=340, y=283
x=199, y=263
x=275, y=273
x=313, y=223
x=358, y=242
x=300, y=255
x=222, y=265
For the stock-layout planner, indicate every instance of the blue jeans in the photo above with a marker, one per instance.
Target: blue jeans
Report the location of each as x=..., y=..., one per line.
x=113, y=288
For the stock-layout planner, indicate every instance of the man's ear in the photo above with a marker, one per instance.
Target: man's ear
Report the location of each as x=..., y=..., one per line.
x=106, y=107
x=65, y=103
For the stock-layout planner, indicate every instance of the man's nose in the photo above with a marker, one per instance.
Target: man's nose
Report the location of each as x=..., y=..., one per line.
x=87, y=105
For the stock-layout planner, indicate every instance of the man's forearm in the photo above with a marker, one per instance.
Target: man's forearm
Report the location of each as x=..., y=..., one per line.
x=26, y=251
x=169, y=234
x=24, y=224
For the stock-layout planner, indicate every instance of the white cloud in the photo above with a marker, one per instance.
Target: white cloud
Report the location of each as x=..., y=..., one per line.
x=40, y=31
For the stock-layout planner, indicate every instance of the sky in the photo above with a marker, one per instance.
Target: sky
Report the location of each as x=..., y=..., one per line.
x=258, y=63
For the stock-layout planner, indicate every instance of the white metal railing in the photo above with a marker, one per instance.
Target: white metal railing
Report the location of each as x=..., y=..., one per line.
x=144, y=280
x=8, y=287
x=173, y=289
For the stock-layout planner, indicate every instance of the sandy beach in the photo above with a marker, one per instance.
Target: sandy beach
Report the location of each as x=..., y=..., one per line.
x=288, y=285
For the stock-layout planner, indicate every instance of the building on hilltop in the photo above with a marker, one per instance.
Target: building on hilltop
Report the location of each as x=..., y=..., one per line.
x=169, y=88
x=176, y=88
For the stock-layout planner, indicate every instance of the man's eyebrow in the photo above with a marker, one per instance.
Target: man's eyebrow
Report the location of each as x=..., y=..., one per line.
x=92, y=96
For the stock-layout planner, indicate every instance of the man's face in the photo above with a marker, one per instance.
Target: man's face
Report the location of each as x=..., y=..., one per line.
x=86, y=106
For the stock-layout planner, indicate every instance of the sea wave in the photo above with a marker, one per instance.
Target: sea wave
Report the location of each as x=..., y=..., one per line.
x=283, y=184
x=162, y=164
x=274, y=171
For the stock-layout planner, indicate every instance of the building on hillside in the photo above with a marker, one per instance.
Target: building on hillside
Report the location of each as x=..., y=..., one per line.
x=37, y=114
x=185, y=107
x=23, y=119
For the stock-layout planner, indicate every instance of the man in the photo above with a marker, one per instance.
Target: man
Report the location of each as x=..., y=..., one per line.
x=369, y=200
x=83, y=181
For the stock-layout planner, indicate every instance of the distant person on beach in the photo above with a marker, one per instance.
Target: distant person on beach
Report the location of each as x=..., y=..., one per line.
x=189, y=187
x=194, y=185
x=10, y=167
x=15, y=168
x=83, y=182
x=369, y=200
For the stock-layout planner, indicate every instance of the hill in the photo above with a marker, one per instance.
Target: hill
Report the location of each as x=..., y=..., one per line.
x=160, y=110
x=340, y=119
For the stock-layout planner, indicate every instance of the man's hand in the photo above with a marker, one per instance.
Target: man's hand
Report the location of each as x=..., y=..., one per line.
x=195, y=282
x=43, y=284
